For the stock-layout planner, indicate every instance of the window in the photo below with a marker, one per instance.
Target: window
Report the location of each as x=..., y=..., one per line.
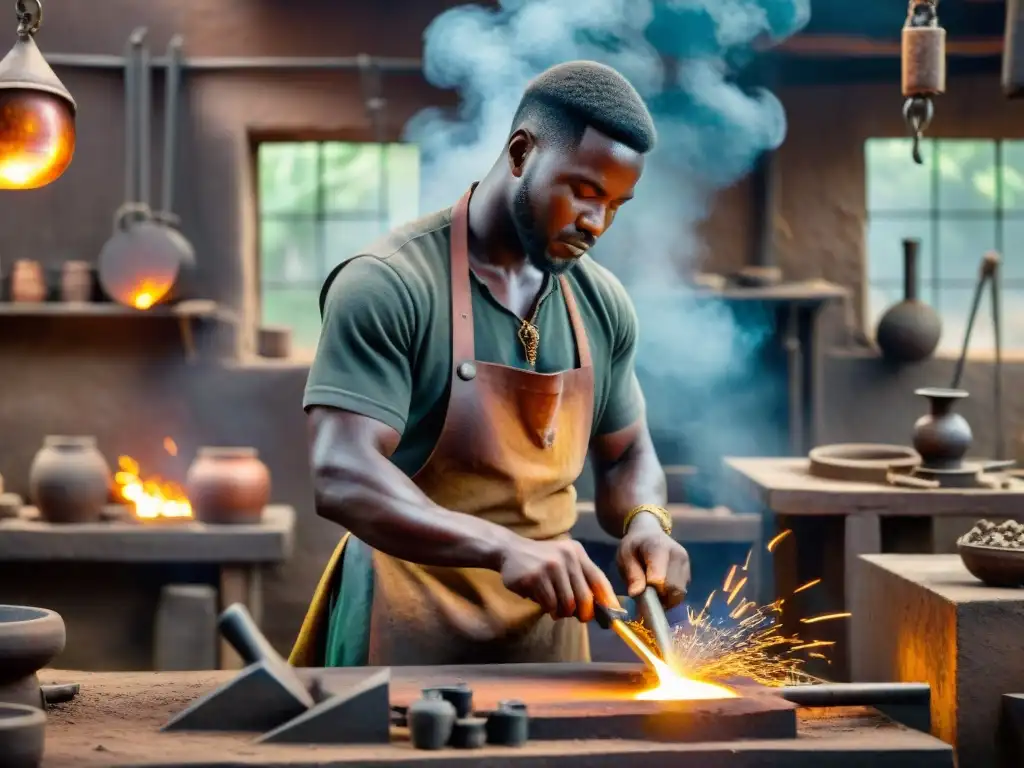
x=319, y=203
x=966, y=199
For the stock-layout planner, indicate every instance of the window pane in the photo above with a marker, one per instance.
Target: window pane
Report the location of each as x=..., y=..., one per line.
x=352, y=177
x=885, y=251
x=955, y=306
x=287, y=177
x=1013, y=175
x=288, y=251
x=1012, y=305
x=403, y=184
x=894, y=181
x=962, y=243
x=345, y=238
x=1012, y=266
x=295, y=308
x=967, y=175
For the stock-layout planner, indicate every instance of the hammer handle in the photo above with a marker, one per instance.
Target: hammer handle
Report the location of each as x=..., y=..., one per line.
x=238, y=628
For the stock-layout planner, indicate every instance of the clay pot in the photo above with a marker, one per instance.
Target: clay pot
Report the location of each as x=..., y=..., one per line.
x=941, y=436
x=909, y=332
x=69, y=481
x=28, y=283
x=29, y=640
x=22, y=736
x=76, y=281
x=228, y=486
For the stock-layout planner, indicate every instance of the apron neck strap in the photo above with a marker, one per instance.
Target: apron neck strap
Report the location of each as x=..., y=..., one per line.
x=463, y=343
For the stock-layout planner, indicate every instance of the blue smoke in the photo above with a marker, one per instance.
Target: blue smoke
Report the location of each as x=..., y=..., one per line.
x=677, y=53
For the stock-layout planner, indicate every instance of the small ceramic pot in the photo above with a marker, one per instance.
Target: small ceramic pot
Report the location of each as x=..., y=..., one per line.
x=28, y=283
x=942, y=437
x=431, y=720
x=22, y=736
x=76, y=278
x=228, y=486
x=69, y=481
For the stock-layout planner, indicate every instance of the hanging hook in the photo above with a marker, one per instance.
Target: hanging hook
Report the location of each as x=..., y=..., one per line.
x=917, y=113
x=30, y=16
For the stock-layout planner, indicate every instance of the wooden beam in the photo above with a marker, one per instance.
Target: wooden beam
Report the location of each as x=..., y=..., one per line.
x=842, y=46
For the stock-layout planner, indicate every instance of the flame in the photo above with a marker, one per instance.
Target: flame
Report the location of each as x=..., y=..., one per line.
x=149, y=293
x=152, y=499
x=673, y=686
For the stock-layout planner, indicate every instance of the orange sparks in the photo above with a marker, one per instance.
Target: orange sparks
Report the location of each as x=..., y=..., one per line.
x=736, y=590
x=825, y=617
x=728, y=579
x=808, y=585
x=775, y=542
x=746, y=563
x=170, y=446
x=814, y=644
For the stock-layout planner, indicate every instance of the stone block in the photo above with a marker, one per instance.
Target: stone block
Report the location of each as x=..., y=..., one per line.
x=185, y=635
x=924, y=618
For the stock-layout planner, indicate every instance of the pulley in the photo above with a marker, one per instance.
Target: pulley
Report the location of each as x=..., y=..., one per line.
x=923, y=54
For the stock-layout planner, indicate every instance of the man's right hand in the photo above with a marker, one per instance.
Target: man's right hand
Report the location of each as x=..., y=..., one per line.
x=557, y=575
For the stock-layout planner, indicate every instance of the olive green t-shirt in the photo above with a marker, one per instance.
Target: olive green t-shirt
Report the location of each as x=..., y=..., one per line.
x=385, y=346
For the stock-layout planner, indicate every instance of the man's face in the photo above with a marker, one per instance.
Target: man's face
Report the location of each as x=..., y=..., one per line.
x=567, y=198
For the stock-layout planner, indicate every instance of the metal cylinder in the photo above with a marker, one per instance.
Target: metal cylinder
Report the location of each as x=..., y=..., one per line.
x=858, y=694
x=924, y=61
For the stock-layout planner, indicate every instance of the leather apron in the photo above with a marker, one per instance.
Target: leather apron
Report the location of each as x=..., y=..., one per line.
x=513, y=443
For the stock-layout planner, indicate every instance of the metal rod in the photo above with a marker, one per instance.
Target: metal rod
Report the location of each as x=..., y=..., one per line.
x=130, y=114
x=145, y=108
x=636, y=645
x=997, y=383
x=975, y=303
x=657, y=622
x=858, y=694
x=236, y=64
x=794, y=380
x=172, y=99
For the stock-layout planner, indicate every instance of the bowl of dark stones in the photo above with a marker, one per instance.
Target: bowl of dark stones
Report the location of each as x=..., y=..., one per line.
x=994, y=553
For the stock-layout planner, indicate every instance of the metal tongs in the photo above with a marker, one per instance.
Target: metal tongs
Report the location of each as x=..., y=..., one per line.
x=648, y=607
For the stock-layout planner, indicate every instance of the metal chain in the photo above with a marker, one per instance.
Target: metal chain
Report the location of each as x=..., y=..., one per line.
x=30, y=16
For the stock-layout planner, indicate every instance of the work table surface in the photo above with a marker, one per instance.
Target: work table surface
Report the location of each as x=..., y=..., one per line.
x=115, y=721
x=787, y=487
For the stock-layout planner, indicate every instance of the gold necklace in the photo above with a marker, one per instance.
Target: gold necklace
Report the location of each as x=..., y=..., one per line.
x=529, y=336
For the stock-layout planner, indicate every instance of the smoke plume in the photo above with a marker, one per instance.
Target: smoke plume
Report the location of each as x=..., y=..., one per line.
x=678, y=54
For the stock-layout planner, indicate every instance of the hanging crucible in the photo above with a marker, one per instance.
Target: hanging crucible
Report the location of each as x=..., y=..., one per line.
x=37, y=113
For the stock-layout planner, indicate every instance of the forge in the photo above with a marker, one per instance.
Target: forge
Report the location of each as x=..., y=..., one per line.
x=594, y=701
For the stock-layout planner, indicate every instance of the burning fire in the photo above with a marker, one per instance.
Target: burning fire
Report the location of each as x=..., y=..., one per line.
x=153, y=498
x=753, y=648
x=149, y=293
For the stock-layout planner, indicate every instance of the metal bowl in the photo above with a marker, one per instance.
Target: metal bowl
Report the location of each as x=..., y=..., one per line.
x=993, y=566
x=22, y=736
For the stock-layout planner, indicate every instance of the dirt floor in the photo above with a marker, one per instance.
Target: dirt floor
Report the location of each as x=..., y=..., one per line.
x=115, y=721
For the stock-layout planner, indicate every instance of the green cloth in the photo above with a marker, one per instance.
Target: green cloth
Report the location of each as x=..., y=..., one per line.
x=385, y=353
x=348, y=636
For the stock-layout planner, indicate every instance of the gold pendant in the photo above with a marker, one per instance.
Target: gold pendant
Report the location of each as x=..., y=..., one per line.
x=529, y=337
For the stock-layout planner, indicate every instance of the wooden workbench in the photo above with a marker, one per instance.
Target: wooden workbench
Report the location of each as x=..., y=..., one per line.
x=116, y=717
x=834, y=523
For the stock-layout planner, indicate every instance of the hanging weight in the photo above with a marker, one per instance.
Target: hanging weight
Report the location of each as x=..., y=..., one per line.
x=923, y=52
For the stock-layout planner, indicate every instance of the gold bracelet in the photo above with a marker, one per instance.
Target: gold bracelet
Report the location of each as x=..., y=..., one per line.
x=663, y=517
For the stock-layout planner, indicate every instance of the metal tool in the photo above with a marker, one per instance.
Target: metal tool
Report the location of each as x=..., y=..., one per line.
x=653, y=614
x=615, y=619
x=648, y=608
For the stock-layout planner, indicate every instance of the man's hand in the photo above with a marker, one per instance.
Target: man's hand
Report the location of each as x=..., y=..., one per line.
x=558, y=576
x=649, y=556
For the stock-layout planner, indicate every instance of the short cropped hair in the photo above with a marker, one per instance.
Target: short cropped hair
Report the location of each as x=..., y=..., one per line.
x=561, y=102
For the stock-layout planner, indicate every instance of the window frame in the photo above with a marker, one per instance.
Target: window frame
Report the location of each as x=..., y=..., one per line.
x=931, y=289
x=317, y=217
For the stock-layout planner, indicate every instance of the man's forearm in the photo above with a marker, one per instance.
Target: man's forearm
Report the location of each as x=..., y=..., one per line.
x=635, y=478
x=381, y=506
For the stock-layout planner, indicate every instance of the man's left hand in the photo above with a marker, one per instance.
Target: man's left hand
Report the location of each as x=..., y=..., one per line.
x=650, y=557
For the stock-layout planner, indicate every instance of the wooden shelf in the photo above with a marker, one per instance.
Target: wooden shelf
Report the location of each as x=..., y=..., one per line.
x=199, y=309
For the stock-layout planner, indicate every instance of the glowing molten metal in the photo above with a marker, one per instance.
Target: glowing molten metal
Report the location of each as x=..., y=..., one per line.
x=153, y=498
x=37, y=138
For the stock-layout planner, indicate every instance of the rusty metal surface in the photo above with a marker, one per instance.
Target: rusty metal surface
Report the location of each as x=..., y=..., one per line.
x=595, y=701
